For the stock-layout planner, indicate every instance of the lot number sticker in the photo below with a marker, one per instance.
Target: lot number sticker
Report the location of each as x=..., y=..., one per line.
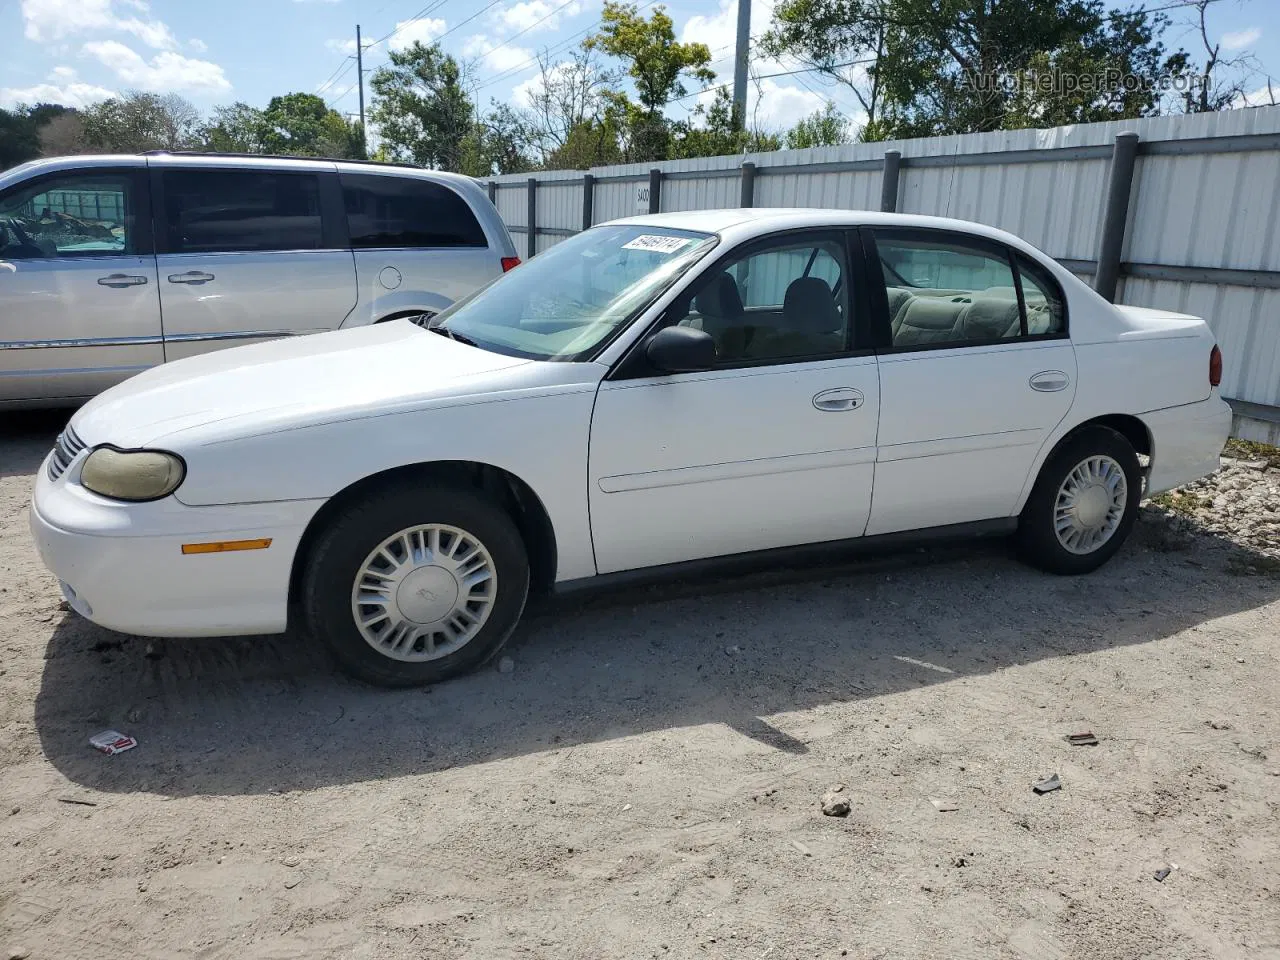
x=657, y=244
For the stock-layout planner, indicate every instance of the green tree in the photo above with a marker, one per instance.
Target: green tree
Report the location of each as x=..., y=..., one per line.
x=140, y=121
x=302, y=124
x=823, y=128
x=21, y=131
x=499, y=142
x=718, y=132
x=658, y=66
x=421, y=109
x=237, y=128
x=932, y=67
x=590, y=143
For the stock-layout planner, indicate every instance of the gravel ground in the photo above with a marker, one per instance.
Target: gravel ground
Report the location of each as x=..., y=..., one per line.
x=647, y=781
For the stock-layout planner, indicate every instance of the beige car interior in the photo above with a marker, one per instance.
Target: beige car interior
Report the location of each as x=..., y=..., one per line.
x=919, y=316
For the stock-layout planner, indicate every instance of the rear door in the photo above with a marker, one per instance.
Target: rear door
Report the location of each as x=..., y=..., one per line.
x=248, y=254
x=418, y=246
x=79, y=310
x=975, y=373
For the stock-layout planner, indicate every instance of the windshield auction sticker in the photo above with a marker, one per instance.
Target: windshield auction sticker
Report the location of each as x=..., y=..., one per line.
x=656, y=243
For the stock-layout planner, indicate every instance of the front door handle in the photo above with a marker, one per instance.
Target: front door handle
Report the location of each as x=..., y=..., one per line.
x=121, y=280
x=191, y=276
x=838, y=399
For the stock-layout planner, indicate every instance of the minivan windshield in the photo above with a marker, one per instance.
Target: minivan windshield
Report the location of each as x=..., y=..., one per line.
x=567, y=301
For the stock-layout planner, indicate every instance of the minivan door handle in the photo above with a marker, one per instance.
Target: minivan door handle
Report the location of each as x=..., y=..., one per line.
x=191, y=276
x=838, y=399
x=120, y=280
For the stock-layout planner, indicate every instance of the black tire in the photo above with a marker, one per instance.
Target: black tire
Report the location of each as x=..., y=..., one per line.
x=351, y=536
x=1037, y=540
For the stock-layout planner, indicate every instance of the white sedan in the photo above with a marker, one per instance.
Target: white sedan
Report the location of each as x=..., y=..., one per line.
x=654, y=391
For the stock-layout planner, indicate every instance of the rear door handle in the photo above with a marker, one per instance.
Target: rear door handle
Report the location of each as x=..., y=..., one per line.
x=191, y=276
x=1049, y=381
x=119, y=280
x=838, y=399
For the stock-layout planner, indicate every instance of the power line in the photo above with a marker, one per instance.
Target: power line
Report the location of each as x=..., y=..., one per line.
x=429, y=8
x=554, y=48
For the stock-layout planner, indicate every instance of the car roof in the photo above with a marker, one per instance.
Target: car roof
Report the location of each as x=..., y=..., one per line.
x=745, y=221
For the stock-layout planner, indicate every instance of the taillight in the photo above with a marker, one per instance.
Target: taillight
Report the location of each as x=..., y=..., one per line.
x=510, y=263
x=1215, y=366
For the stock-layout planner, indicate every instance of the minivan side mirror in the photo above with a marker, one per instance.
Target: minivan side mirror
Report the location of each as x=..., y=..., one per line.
x=681, y=350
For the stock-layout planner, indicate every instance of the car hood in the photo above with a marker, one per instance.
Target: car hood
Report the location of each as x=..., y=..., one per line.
x=256, y=389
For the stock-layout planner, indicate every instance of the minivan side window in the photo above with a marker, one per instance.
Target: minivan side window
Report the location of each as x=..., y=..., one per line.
x=390, y=211
x=230, y=211
x=79, y=215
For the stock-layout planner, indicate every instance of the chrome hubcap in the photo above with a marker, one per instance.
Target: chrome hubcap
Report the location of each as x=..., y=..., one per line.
x=424, y=592
x=1090, y=504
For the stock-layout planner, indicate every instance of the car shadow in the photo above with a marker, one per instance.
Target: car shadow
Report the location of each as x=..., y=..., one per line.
x=28, y=436
x=269, y=714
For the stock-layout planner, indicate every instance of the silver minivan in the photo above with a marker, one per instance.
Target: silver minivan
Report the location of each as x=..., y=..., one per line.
x=112, y=264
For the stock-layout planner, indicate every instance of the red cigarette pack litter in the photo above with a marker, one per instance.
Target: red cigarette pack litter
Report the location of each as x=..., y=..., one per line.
x=111, y=742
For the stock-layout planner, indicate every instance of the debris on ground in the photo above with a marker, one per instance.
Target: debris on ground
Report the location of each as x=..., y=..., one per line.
x=1162, y=874
x=802, y=848
x=1047, y=784
x=112, y=742
x=944, y=806
x=835, y=803
x=78, y=802
x=506, y=665
x=1085, y=739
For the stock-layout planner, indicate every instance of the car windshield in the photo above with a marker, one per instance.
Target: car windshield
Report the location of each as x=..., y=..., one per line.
x=564, y=303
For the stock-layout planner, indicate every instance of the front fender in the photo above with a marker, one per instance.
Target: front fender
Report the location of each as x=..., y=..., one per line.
x=510, y=432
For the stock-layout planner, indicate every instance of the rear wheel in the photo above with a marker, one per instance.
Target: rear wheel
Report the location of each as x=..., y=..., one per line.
x=1083, y=505
x=416, y=584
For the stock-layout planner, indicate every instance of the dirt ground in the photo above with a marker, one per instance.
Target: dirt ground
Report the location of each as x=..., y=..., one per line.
x=646, y=782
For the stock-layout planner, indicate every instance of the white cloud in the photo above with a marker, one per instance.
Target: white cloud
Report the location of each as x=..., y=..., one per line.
x=64, y=74
x=1239, y=39
x=422, y=31
x=778, y=106
x=496, y=56
x=198, y=45
x=72, y=94
x=342, y=46
x=719, y=31
x=166, y=72
x=539, y=14
x=47, y=21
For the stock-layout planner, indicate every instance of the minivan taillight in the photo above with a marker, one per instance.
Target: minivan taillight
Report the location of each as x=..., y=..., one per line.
x=1215, y=366
x=510, y=263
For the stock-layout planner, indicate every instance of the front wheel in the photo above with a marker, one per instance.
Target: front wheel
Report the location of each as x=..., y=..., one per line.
x=416, y=584
x=1083, y=505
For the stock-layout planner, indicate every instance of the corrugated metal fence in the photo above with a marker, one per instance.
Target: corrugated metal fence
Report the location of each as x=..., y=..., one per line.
x=1193, y=214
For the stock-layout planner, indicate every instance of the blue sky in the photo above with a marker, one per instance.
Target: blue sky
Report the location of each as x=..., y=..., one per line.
x=78, y=51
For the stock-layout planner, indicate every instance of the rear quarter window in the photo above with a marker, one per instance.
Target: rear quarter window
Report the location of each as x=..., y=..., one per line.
x=388, y=211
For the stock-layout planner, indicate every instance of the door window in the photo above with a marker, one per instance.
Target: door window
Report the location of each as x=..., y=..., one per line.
x=786, y=301
x=1046, y=308
x=74, y=216
x=385, y=211
x=225, y=211
x=947, y=291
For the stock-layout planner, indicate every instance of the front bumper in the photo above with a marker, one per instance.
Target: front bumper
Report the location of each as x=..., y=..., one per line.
x=121, y=565
x=1186, y=442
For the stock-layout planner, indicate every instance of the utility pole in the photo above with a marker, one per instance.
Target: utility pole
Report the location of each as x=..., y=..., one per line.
x=364, y=143
x=740, y=64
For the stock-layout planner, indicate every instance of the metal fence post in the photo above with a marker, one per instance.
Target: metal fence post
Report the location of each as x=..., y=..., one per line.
x=655, y=190
x=1114, y=217
x=588, y=199
x=533, y=219
x=493, y=192
x=889, y=181
x=748, y=196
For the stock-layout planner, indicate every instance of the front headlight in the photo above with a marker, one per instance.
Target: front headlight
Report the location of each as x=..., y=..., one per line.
x=132, y=474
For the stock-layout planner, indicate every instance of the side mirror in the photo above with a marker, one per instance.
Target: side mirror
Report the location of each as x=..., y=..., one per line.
x=681, y=350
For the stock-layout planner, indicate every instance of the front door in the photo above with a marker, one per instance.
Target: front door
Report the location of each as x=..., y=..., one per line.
x=79, y=310
x=774, y=446
x=248, y=254
x=977, y=374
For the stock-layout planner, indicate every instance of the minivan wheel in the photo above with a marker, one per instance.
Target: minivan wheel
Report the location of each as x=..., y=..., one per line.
x=416, y=584
x=1083, y=505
